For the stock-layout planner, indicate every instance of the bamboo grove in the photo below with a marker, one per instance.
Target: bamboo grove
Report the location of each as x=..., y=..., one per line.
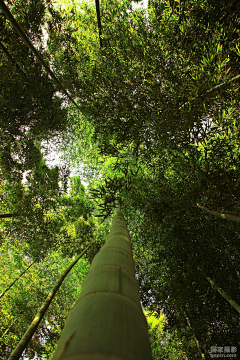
x=136, y=102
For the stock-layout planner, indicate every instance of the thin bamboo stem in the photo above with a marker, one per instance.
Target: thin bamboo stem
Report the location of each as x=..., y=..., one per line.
x=200, y=352
x=99, y=22
x=222, y=215
x=5, y=216
x=215, y=88
x=17, y=352
x=14, y=281
x=224, y=294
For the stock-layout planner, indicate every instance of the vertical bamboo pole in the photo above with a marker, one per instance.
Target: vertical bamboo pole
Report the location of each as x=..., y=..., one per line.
x=107, y=322
x=200, y=352
x=225, y=295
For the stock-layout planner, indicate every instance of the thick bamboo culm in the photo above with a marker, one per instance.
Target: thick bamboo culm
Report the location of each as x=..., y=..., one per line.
x=107, y=322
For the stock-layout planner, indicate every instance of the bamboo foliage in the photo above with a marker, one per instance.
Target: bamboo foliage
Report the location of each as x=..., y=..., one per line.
x=28, y=43
x=107, y=321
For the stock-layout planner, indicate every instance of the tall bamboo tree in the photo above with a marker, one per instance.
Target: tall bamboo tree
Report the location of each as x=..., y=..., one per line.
x=107, y=321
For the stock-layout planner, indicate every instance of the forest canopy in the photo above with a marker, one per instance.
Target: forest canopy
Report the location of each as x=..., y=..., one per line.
x=142, y=105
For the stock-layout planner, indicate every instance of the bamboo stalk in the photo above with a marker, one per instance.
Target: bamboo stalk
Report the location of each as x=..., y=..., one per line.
x=224, y=294
x=107, y=321
x=4, y=216
x=99, y=22
x=14, y=281
x=17, y=352
x=200, y=352
x=222, y=215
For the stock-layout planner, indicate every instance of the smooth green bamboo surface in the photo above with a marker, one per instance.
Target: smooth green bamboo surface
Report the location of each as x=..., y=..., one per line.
x=107, y=322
